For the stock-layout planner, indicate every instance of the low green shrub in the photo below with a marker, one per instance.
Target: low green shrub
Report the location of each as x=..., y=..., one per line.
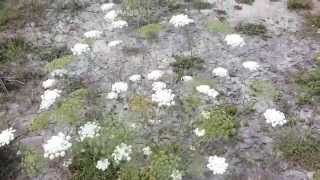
x=59, y=63
x=252, y=29
x=245, y=1
x=33, y=162
x=264, y=89
x=219, y=26
x=298, y=4
x=186, y=65
x=150, y=31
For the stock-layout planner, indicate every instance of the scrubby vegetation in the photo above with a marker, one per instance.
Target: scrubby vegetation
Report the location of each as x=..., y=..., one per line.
x=298, y=4
x=219, y=26
x=252, y=29
x=245, y=1
x=150, y=31
x=264, y=89
x=59, y=63
x=186, y=65
x=33, y=162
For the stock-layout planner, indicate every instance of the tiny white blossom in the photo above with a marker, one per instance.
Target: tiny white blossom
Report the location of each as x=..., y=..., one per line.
x=217, y=164
x=114, y=43
x=155, y=75
x=275, y=117
x=58, y=73
x=112, y=95
x=119, y=24
x=186, y=78
x=111, y=15
x=234, y=40
x=205, y=89
x=176, y=175
x=147, y=151
x=107, y=6
x=57, y=146
x=93, y=34
x=157, y=86
x=89, y=130
x=49, y=83
x=67, y=163
x=205, y=114
x=163, y=97
x=251, y=65
x=220, y=72
x=119, y=87
x=199, y=132
x=103, y=164
x=49, y=98
x=122, y=153
x=180, y=20
x=135, y=78
x=80, y=48
x=6, y=136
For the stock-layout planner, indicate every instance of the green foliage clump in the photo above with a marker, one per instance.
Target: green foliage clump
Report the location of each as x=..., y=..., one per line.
x=245, y=1
x=220, y=123
x=309, y=82
x=59, y=63
x=219, y=26
x=33, y=162
x=140, y=104
x=150, y=31
x=186, y=65
x=298, y=4
x=13, y=49
x=264, y=89
x=40, y=122
x=316, y=175
x=252, y=29
x=314, y=20
x=200, y=4
x=303, y=150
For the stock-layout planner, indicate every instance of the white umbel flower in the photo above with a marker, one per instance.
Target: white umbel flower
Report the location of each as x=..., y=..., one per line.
x=122, y=153
x=234, y=40
x=180, y=20
x=103, y=164
x=80, y=48
x=147, y=151
x=111, y=15
x=135, y=78
x=6, y=136
x=217, y=164
x=48, y=83
x=89, y=130
x=205, y=89
x=107, y=6
x=220, y=72
x=163, y=97
x=119, y=87
x=158, y=86
x=49, y=98
x=199, y=132
x=92, y=34
x=186, y=78
x=155, y=75
x=274, y=117
x=57, y=146
x=112, y=95
x=251, y=65
x=119, y=24
x=114, y=43
x=176, y=175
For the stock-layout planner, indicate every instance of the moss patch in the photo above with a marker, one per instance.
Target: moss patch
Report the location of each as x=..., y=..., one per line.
x=219, y=26
x=150, y=31
x=59, y=63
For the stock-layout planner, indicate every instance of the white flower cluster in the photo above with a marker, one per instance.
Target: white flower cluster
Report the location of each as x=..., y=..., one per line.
x=205, y=89
x=162, y=96
x=147, y=151
x=89, y=130
x=107, y=6
x=199, y=132
x=234, y=40
x=111, y=15
x=135, y=78
x=180, y=20
x=119, y=24
x=217, y=164
x=57, y=146
x=48, y=83
x=93, y=34
x=80, y=48
x=186, y=78
x=155, y=75
x=49, y=98
x=103, y=164
x=116, y=89
x=251, y=65
x=274, y=117
x=122, y=153
x=114, y=43
x=6, y=136
x=220, y=72
x=176, y=175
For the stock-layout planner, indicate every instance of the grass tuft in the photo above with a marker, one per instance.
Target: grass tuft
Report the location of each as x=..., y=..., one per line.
x=219, y=26
x=186, y=65
x=298, y=4
x=252, y=29
x=150, y=31
x=59, y=63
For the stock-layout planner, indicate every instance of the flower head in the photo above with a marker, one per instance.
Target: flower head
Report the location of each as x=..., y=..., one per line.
x=49, y=83
x=147, y=151
x=251, y=65
x=119, y=87
x=157, y=86
x=180, y=20
x=80, y=48
x=234, y=40
x=155, y=75
x=107, y=6
x=93, y=34
x=103, y=164
x=176, y=175
x=57, y=146
x=111, y=15
x=163, y=97
x=49, y=98
x=135, y=78
x=114, y=43
x=217, y=164
x=274, y=117
x=89, y=130
x=112, y=95
x=186, y=78
x=6, y=136
x=119, y=24
x=205, y=89
x=122, y=153
x=199, y=132
x=220, y=72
